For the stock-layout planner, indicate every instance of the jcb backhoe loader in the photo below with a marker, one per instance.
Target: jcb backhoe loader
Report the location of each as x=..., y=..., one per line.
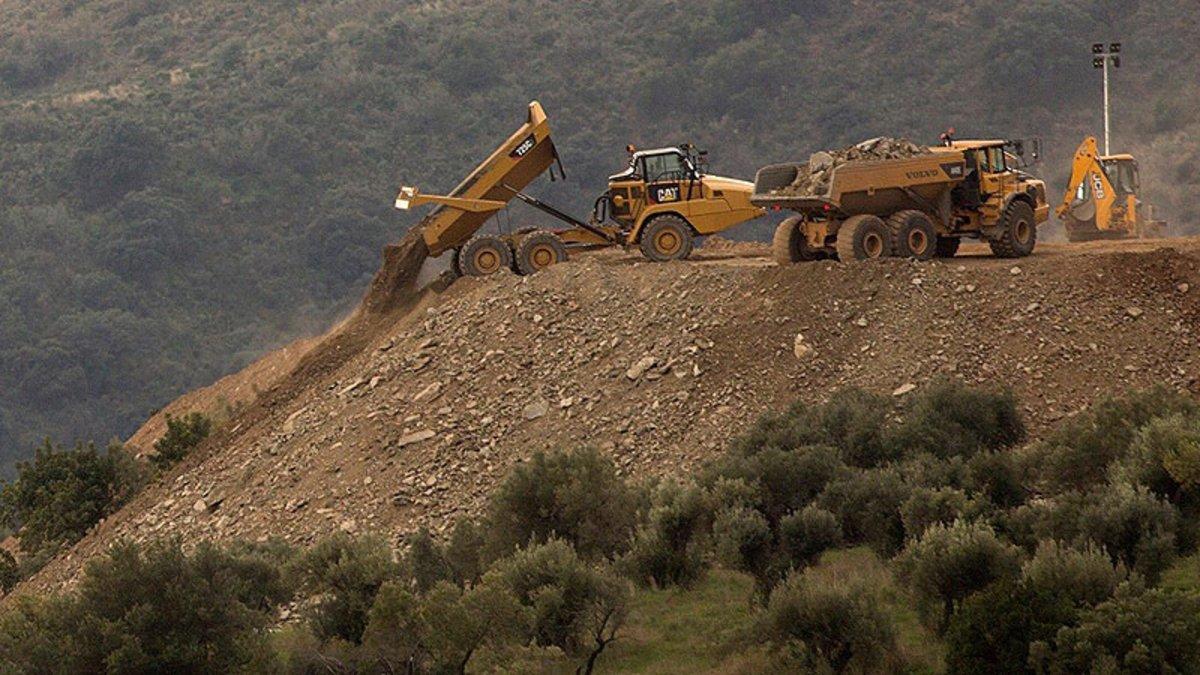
x=1101, y=200
x=660, y=203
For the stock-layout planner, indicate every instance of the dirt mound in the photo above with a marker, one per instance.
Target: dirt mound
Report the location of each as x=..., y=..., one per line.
x=815, y=182
x=224, y=397
x=412, y=418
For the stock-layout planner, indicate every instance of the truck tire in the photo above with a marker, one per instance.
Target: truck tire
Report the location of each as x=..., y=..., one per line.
x=913, y=235
x=947, y=247
x=1017, y=232
x=538, y=250
x=863, y=237
x=483, y=255
x=790, y=244
x=667, y=238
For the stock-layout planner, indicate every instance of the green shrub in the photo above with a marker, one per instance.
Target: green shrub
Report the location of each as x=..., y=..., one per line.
x=345, y=574
x=996, y=477
x=667, y=548
x=394, y=632
x=1135, y=527
x=783, y=480
x=464, y=551
x=1166, y=458
x=441, y=630
x=852, y=421
x=426, y=561
x=575, y=606
x=950, y=562
x=867, y=505
x=150, y=609
x=948, y=418
x=576, y=496
x=805, y=535
x=929, y=506
x=59, y=495
x=183, y=434
x=1083, y=575
x=991, y=633
x=10, y=572
x=743, y=541
x=1137, y=631
x=457, y=623
x=814, y=625
x=1077, y=455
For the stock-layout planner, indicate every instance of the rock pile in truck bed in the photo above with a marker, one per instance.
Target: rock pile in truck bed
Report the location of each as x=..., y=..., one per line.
x=815, y=182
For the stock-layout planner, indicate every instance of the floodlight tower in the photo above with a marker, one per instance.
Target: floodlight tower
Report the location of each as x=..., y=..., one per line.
x=1101, y=58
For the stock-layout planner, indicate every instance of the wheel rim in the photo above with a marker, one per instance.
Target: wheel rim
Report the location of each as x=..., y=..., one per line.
x=487, y=261
x=917, y=241
x=542, y=256
x=872, y=244
x=668, y=242
x=1023, y=231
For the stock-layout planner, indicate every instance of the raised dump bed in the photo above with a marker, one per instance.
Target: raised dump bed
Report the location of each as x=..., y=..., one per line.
x=524, y=156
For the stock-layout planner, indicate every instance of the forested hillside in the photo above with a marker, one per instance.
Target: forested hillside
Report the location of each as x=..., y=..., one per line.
x=186, y=184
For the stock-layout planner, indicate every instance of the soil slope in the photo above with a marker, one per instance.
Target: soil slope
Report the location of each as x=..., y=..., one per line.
x=409, y=416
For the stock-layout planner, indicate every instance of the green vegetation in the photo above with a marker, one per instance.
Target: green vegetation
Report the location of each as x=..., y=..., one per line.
x=61, y=493
x=182, y=435
x=222, y=173
x=150, y=609
x=888, y=554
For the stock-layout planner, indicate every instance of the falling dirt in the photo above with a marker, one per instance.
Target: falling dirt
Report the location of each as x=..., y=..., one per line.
x=395, y=285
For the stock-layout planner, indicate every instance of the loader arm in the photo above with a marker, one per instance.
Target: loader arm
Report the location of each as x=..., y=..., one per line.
x=1090, y=195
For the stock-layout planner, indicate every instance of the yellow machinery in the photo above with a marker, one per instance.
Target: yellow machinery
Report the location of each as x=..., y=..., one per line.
x=661, y=202
x=1101, y=200
x=912, y=207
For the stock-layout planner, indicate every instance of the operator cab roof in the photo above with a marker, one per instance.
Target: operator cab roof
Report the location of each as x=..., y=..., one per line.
x=976, y=144
x=632, y=168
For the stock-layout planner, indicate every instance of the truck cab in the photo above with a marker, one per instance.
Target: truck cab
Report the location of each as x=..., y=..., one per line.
x=664, y=199
x=993, y=179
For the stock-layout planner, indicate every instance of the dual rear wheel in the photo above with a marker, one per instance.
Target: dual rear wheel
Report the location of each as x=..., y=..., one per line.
x=487, y=254
x=905, y=234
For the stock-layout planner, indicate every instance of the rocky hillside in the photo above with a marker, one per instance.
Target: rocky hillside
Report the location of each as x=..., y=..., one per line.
x=402, y=418
x=221, y=173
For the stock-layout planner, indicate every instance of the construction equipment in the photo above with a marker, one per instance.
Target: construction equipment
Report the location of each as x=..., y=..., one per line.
x=919, y=206
x=1101, y=200
x=661, y=202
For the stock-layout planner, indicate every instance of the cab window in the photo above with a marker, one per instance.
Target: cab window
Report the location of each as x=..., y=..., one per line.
x=994, y=160
x=668, y=166
x=1123, y=176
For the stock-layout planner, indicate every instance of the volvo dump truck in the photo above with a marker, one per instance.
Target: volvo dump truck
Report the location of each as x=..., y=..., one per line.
x=1101, y=200
x=660, y=203
x=919, y=206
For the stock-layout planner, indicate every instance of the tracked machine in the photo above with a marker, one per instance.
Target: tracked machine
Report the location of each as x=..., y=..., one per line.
x=660, y=203
x=920, y=206
x=1102, y=198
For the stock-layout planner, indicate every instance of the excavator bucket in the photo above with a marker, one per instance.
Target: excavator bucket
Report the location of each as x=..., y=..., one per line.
x=524, y=156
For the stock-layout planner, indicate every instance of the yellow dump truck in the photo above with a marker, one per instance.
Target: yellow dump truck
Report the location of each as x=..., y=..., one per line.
x=920, y=206
x=1102, y=198
x=660, y=203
